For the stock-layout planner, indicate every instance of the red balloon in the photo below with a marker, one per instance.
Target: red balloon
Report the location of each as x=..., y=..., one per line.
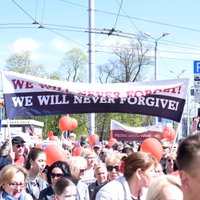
x=153, y=146
x=78, y=151
x=93, y=138
x=54, y=153
x=50, y=133
x=64, y=123
x=74, y=124
x=53, y=138
x=76, y=144
x=111, y=142
x=169, y=133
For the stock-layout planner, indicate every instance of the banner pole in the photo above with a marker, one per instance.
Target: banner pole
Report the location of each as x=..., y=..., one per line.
x=10, y=139
x=174, y=141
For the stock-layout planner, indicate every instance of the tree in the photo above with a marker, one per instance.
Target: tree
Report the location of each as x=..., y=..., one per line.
x=128, y=63
x=73, y=66
x=21, y=62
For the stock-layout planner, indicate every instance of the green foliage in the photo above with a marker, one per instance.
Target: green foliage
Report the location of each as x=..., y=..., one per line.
x=126, y=67
x=73, y=66
x=103, y=122
x=21, y=62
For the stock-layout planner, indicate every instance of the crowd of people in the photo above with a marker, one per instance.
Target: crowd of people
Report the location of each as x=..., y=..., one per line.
x=100, y=172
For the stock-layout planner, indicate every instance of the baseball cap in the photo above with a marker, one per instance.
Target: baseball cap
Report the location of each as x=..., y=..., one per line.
x=17, y=140
x=72, y=135
x=97, y=144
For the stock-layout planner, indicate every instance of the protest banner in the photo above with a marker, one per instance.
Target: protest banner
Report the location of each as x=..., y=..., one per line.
x=122, y=132
x=27, y=96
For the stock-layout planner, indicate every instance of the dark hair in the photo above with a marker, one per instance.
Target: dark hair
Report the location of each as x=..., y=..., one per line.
x=115, y=146
x=127, y=150
x=137, y=160
x=82, y=143
x=188, y=153
x=61, y=184
x=63, y=166
x=33, y=154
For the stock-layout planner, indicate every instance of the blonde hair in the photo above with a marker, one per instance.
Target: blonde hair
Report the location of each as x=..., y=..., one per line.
x=77, y=163
x=113, y=157
x=7, y=173
x=155, y=191
x=89, y=153
x=99, y=166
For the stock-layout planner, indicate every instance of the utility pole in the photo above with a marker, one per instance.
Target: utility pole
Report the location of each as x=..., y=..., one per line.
x=91, y=51
x=155, y=58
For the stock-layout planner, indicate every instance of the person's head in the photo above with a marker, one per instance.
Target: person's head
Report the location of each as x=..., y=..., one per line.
x=13, y=180
x=170, y=162
x=65, y=189
x=188, y=162
x=100, y=173
x=58, y=170
x=159, y=170
x=97, y=147
x=166, y=144
x=166, y=187
x=78, y=167
x=112, y=162
x=18, y=146
x=118, y=146
x=72, y=136
x=140, y=165
x=127, y=150
x=91, y=158
x=36, y=160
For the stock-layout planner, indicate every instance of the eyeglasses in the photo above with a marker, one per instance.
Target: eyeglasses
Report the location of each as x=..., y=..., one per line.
x=15, y=184
x=56, y=175
x=20, y=145
x=110, y=168
x=82, y=170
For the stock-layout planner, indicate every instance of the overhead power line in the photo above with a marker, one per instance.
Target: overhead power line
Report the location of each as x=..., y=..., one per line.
x=108, y=32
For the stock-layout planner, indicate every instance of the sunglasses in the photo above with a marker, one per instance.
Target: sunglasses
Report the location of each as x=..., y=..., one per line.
x=56, y=175
x=110, y=168
x=82, y=170
x=170, y=160
x=20, y=145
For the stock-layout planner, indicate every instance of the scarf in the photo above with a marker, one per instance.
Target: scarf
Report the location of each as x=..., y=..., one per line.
x=6, y=196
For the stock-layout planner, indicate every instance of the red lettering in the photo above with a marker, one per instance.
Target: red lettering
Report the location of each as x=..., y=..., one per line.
x=91, y=93
x=157, y=91
x=116, y=94
x=148, y=92
x=129, y=93
x=108, y=94
x=139, y=93
x=20, y=84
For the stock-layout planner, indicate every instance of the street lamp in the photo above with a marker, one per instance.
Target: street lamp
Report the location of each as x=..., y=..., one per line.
x=155, y=57
x=155, y=50
x=178, y=75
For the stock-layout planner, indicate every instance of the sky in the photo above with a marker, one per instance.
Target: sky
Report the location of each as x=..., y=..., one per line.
x=63, y=25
